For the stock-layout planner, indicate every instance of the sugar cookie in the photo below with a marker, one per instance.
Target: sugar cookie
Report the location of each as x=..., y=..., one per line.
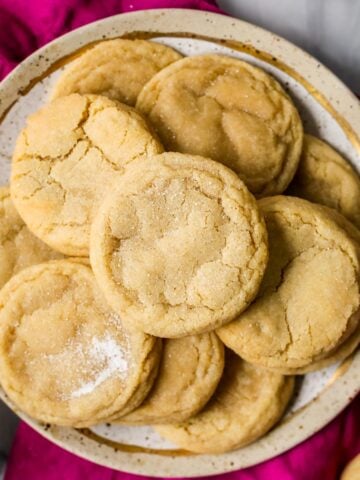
x=65, y=357
x=65, y=160
x=19, y=248
x=309, y=301
x=178, y=246
x=325, y=177
x=116, y=68
x=352, y=470
x=340, y=354
x=228, y=110
x=189, y=372
x=247, y=403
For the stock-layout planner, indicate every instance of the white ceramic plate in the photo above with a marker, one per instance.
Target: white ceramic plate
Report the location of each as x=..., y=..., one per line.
x=328, y=109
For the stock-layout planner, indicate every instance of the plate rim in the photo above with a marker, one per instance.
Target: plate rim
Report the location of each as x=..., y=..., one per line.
x=343, y=101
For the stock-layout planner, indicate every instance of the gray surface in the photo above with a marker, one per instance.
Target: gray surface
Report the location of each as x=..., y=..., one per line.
x=2, y=469
x=8, y=422
x=329, y=29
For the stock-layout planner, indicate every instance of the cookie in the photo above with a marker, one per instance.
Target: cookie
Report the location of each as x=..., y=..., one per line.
x=346, y=348
x=116, y=68
x=65, y=160
x=189, y=372
x=352, y=470
x=325, y=177
x=340, y=354
x=65, y=357
x=178, y=246
x=228, y=110
x=247, y=403
x=309, y=300
x=19, y=248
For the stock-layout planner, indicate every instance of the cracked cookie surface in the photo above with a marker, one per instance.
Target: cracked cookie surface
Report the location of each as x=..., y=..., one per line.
x=178, y=246
x=340, y=354
x=116, y=68
x=19, y=248
x=66, y=158
x=189, y=372
x=247, y=403
x=309, y=301
x=346, y=348
x=66, y=359
x=226, y=109
x=325, y=177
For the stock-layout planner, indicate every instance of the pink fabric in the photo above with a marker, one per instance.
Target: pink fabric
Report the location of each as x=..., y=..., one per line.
x=24, y=26
x=28, y=24
x=322, y=457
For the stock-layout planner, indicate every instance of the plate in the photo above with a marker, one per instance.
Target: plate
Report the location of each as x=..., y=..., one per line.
x=328, y=109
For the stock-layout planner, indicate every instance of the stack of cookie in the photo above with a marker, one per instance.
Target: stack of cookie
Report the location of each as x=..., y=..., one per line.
x=135, y=219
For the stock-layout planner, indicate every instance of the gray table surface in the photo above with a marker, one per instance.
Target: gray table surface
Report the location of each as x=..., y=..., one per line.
x=8, y=423
x=328, y=29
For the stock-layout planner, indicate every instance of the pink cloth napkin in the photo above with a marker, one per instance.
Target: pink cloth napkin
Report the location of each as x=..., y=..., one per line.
x=322, y=457
x=24, y=26
x=28, y=24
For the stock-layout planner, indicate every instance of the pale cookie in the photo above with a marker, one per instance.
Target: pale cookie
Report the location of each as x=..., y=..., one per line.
x=226, y=109
x=309, y=301
x=178, y=246
x=352, y=470
x=247, y=403
x=343, y=351
x=19, y=248
x=346, y=348
x=65, y=357
x=116, y=68
x=189, y=372
x=66, y=159
x=325, y=177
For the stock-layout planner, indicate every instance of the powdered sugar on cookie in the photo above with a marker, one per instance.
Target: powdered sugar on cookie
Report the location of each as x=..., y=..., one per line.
x=109, y=353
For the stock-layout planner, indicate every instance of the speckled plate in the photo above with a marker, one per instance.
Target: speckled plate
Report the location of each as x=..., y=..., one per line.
x=328, y=109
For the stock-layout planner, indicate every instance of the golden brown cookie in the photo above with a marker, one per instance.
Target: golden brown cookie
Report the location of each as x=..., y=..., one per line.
x=247, y=403
x=352, y=470
x=340, y=354
x=116, y=68
x=309, y=300
x=19, y=248
x=66, y=159
x=325, y=177
x=346, y=348
x=65, y=356
x=226, y=109
x=178, y=246
x=189, y=372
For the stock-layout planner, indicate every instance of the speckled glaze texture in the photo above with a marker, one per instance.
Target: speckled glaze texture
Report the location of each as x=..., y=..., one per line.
x=328, y=110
